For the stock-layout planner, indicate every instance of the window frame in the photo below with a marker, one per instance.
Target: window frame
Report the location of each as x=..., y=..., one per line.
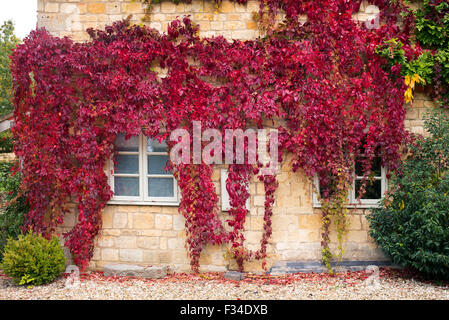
x=143, y=175
x=352, y=199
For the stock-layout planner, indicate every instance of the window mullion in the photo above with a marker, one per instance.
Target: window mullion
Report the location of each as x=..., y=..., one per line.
x=352, y=196
x=110, y=167
x=143, y=152
x=383, y=181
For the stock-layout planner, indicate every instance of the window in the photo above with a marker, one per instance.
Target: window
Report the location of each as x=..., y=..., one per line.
x=375, y=188
x=374, y=191
x=139, y=175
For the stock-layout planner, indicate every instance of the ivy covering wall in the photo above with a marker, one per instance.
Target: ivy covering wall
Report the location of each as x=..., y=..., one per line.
x=338, y=99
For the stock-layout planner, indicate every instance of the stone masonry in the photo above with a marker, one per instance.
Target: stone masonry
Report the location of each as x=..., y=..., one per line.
x=153, y=235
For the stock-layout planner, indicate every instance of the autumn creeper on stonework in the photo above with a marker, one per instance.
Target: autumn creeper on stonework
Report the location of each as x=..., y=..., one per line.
x=332, y=95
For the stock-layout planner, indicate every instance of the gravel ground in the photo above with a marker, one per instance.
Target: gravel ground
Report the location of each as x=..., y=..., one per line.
x=392, y=285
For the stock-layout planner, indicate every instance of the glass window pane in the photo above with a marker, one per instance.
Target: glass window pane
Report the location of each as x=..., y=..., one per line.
x=126, y=186
x=373, y=189
x=375, y=169
x=126, y=164
x=327, y=185
x=358, y=168
x=154, y=146
x=160, y=187
x=130, y=145
x=156, y=164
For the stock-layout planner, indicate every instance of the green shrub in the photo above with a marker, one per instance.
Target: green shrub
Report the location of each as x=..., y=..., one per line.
x=6, y=142
x=33, y=260
x=12, y=207
x=412, y=225
x=8, y=41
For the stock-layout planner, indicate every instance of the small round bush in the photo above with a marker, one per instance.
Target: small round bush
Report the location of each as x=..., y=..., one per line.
x=412, y=225
x=33, y=260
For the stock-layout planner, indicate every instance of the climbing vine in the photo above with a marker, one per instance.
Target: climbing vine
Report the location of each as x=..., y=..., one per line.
x=322, y=83
x=424, y=61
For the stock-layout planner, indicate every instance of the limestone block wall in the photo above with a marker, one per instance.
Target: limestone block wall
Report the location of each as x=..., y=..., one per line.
x=73, y=17
x=156, y=234
x=231, y=20
x=416, y=113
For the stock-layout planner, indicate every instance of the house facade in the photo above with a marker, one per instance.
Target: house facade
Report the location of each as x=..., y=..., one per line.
x=141, y=223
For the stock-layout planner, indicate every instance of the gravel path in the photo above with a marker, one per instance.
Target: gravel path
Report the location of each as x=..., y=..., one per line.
x=392, y=284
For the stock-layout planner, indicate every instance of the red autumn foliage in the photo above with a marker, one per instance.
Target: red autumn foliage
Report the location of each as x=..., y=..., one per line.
x=322, y=80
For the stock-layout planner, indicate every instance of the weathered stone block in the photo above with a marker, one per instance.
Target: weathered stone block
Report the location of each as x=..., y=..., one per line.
x=151, y=256
x=143, y=221
x=109, y=254
x=179, y=256
x=227, y=7
x=357, y=236
x=127, y=270
x=166, y=257
x=168, y=7
x=68, y=8
x=169, y=210
x=113, y=7
x=110, y=232
x=120, y=220
x=310, y=221
x=40, y=5
x=178, y=222
x=105, y=241
x=234, y=275
x=126, y=242
x=195, y=6
x=148, y=242
x=259, y=201
x=133, y=7
x=354, y=222
x=306, y=235
x=164, y=222
x=253, y=6
x=77, y=26
x=131, y=255
x=282, y=222
x=163, y=243
x=52, y=7
x=253, y=236
x=82, y=8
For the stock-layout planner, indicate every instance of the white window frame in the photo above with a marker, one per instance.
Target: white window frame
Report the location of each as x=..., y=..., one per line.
x=352, y=199
x=143, y=198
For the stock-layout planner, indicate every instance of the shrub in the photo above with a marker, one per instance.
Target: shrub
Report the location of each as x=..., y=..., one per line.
x=6, y=143
x=8, y=41
x=12, y=207
x=412, y=225
x=33, y=260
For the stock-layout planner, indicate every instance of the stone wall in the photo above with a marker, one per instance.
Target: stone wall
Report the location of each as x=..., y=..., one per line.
x=231, y=20
x=155, y=234
x=73, y=17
